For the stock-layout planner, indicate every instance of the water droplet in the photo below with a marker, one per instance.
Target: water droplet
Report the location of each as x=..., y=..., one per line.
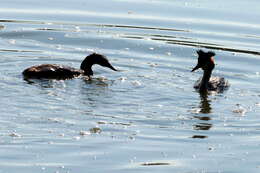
x=77, y=29
x=136, y=83
x=153, y=64
x=15, y=135
x=76, y=137
x=95, y=130
x=122, y=79
x=12, y=41
x=240, y=110
x=84, y=133
x=211, y=148
x=58, y=47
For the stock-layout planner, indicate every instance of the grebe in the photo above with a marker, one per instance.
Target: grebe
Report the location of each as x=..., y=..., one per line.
x=208, y=83
x=54, y=71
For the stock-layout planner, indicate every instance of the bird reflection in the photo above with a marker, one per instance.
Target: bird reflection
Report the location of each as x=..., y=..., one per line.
x=96, y=92
x=205, y=108
x=101, y=81
x=46, y=83
x=199, y=136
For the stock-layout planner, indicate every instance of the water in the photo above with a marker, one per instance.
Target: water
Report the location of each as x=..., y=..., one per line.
x=146, y=118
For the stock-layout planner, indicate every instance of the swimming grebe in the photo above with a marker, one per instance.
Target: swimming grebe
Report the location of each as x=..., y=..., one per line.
x=208, y=83
x=54, y=71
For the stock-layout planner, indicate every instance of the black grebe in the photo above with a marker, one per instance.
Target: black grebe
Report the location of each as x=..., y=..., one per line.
x=54, y=71
x=208, y=83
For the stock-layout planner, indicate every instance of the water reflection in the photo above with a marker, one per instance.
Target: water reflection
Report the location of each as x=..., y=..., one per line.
x=55, y=83
x=202, y=126
x=42, y=83
x=87, y=95
x=199, y=136
x=186, y=41
x=101, y=81
x=95, y=92
x=204, y=109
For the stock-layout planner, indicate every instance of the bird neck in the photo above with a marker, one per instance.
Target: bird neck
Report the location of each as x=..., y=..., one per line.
x=88, y=71
x=86, y=66
x=205, y=80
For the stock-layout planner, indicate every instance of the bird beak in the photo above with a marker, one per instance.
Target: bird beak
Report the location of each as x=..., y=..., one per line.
x=195, y=68
x=111, y=67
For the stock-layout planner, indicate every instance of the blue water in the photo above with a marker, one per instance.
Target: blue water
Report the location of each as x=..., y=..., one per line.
x=145, y=118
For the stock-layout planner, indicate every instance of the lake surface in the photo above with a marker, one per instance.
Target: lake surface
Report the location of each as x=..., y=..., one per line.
x=145, y=118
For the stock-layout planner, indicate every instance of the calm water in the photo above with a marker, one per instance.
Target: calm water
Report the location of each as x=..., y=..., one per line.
x=146, y=118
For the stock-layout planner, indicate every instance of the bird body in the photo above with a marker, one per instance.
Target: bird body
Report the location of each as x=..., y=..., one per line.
x=55, y=71
x=217, y=84
x=207, y=82
x=52, y=71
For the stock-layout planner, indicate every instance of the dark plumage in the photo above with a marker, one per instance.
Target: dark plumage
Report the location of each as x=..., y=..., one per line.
x=54, y=71
x=208, y=83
